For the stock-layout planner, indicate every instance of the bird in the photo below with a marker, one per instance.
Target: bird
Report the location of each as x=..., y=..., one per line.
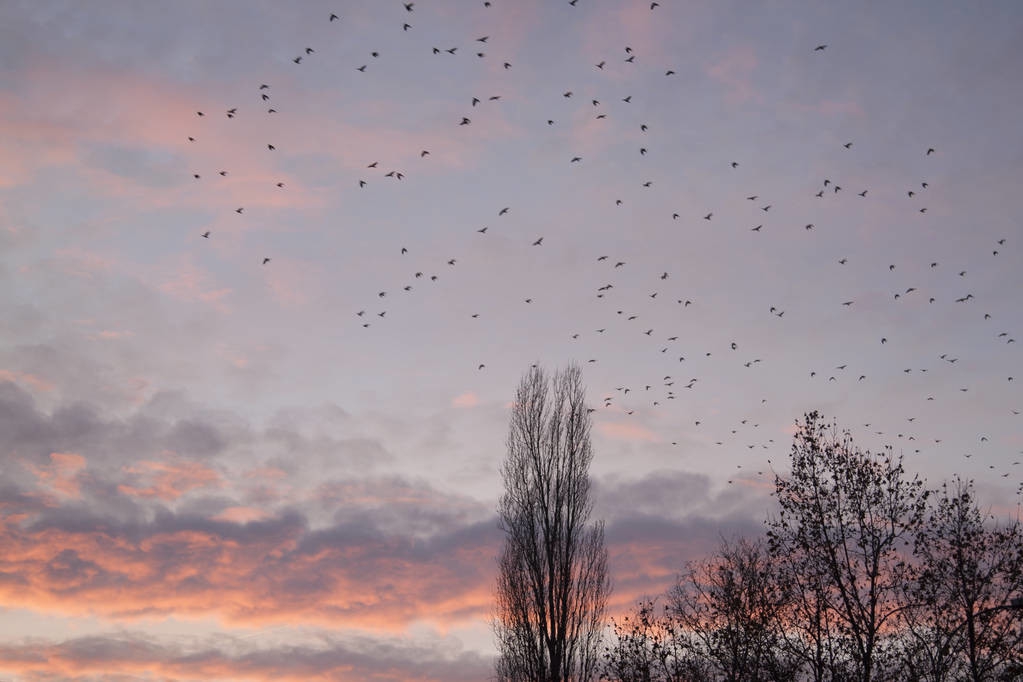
x=503, y=211
x=334, y=17
x=206, y=234
x=708, y=216
x=820, y=48
x=538, y=242
x=847, y=145
x=265, y=261
x=930, y=150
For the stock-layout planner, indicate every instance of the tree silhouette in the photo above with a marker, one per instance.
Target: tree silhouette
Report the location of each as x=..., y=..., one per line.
x=845, y=517
x=967, y=572
x=553, y=581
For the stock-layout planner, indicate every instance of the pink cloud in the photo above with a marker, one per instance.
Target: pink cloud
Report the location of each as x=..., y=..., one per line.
x=625, y=431
x=168, y=480
x=241, y=515
x=61, y=474
x=83, y=263
x=24, y=378
x=468, y=399
x=293, y=283
x=735, y=71
x=190, y=283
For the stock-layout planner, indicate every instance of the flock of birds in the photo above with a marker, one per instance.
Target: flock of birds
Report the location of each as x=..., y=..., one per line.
x=627, y=398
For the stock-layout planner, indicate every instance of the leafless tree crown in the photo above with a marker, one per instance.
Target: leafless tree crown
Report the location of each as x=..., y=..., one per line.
x=553, y=578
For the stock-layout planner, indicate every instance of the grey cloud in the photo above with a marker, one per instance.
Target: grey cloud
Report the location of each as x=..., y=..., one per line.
x=675, y=495
x=356, y=657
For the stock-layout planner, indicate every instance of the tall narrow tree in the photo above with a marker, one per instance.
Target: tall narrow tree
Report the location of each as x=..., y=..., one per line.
x=553, y=580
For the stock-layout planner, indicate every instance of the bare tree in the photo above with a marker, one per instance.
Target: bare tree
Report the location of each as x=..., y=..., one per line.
x=553, y=579
x=959, y=614
x=845, y=517
x=732, y=604
x=651, y=646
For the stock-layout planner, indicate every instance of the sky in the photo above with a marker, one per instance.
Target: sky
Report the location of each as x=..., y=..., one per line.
x=218, y=468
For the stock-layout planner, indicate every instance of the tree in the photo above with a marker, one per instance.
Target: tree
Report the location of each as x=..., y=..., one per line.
x=732, y=605
x=966, y=574
x=845, y=517
x=553, y=581
x=650, y=646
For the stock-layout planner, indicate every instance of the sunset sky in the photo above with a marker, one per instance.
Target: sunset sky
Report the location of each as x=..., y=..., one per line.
x=210, y=469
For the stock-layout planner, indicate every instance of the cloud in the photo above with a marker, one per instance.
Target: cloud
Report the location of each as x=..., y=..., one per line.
x=279, y=569
x=61, y=475
x=27, y=379
x=136, y=657
x=168, y=481
x=735, y=71
x=467, y=399
x=626, y=431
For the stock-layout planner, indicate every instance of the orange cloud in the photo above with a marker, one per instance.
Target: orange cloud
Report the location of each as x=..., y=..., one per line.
x=241, y=515
x=169, y=481
x=61, y=474
x=264, y=571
